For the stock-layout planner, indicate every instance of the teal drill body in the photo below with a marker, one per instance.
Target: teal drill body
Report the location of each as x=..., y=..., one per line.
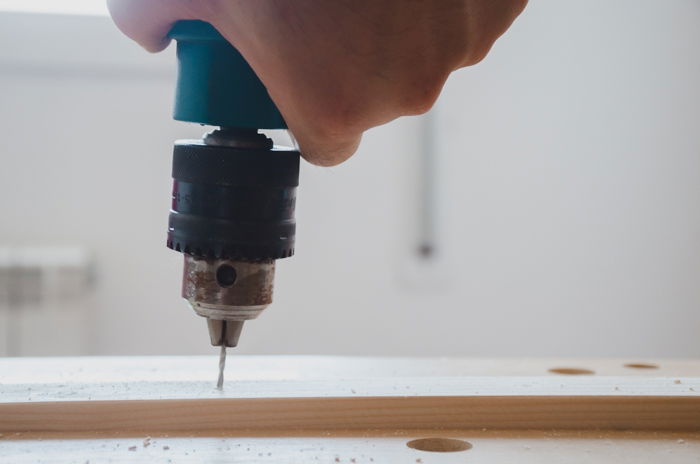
x=216, y=86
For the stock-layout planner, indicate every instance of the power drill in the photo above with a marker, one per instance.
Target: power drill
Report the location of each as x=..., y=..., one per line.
x=234, y=193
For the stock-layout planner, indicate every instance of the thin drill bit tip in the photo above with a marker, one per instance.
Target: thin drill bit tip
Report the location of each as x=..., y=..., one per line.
x=222, y=365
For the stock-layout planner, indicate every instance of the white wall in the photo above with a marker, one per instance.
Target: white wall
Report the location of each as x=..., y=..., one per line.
x=568, y=182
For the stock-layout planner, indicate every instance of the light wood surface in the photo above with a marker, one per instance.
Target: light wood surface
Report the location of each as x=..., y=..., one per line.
x=488, y=447
x=318, y=409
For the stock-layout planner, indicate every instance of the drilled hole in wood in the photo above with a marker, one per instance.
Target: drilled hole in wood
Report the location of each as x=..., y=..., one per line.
x=439, y=445
x=641, y=366
x=571, y=371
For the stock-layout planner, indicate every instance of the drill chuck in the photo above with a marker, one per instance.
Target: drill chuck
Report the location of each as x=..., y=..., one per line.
x=233, y=203
x=232, y=215
x=227, y=293
x=232, y=212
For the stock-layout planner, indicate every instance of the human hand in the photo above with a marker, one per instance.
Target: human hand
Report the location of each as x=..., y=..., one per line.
x=336, y=68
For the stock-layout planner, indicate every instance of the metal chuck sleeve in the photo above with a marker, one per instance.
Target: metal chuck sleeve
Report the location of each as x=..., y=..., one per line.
x=233, y=203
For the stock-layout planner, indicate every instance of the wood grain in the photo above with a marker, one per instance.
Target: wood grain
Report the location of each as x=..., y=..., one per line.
x=178, y=394
x=359, y=413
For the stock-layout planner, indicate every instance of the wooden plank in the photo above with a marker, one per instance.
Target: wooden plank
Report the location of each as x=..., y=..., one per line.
x=175, y=394
x=385, y=413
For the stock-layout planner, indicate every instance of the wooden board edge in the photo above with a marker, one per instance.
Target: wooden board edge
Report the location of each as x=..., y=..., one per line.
x=356, y=413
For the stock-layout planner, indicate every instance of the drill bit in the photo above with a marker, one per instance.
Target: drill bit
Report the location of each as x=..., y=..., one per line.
x=225, y=334
x=222, y=358
x=222, y=364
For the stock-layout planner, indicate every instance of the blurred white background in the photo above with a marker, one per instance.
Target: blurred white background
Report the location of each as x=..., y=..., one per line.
x=560, y=191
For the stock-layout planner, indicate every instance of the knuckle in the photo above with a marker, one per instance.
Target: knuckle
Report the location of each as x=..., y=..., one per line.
x=423, y=94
